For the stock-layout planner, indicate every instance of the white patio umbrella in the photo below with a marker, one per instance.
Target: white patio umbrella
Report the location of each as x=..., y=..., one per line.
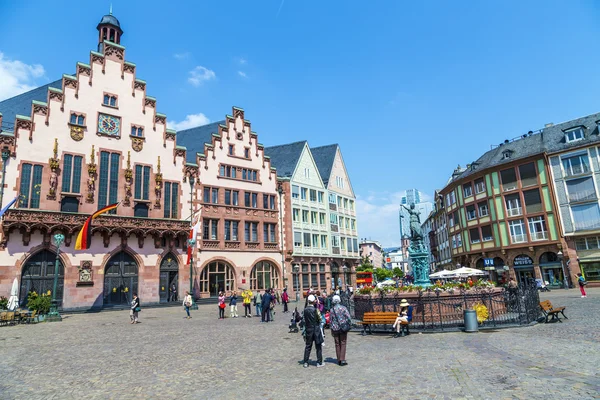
x=388, y=282
x=465, y=271
x=442, y=274
x=13, y=300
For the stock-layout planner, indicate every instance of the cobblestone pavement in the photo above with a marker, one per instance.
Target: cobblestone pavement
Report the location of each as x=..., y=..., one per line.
x=165, y=356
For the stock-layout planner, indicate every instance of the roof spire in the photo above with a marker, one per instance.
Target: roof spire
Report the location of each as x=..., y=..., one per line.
x=110, y=11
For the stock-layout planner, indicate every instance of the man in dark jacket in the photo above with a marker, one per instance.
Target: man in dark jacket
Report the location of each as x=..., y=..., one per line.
x=312, y=324
x=266, y=306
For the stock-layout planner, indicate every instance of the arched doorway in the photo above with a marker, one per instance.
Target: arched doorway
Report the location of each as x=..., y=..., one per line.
x=336, y=280
x=217, y=276
x=552, y=271
x=37, y=275
x=523, y=266
x=120, y=279
x=168, y=286
x=347, y=274
x=500, y=275
x=264, y=275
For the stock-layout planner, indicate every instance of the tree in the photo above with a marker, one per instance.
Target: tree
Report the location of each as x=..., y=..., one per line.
x=365, y=264
x=382, y=274
x=398, y=273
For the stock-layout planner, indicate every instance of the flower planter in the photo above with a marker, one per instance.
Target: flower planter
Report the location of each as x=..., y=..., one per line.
x=41, y=318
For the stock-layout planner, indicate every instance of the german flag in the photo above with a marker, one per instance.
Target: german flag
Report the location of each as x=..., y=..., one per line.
x=85, y=235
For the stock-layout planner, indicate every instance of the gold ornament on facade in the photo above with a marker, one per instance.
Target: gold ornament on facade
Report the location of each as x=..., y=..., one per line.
x=159, y=184
x=128, y=178
x=76, y=133
x=137, y=144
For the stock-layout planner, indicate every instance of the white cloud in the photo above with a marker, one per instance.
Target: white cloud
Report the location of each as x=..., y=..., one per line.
x=200, y=74
x=17, y=77
x=242, y=61
x=242, y=74
x=378, y=218
x=182, y=56
x=190, y=121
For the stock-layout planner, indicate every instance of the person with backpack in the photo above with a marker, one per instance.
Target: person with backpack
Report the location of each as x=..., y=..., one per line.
x=340, y=324
x=285, y=298
x=581, y=281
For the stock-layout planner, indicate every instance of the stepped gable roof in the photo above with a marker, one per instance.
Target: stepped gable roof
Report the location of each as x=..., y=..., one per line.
x=194, y=139
x=21, y=104
x=285, y=157
x=324, y=157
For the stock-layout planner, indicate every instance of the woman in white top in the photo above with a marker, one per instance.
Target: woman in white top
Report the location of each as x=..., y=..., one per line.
x=187, y=303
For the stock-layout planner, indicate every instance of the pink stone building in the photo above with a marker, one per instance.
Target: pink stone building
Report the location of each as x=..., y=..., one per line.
x=96, y=138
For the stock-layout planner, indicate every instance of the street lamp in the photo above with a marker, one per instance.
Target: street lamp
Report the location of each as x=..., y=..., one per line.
x=54, y=315
x=191, y=243
x=562, y=265
x=296, y=269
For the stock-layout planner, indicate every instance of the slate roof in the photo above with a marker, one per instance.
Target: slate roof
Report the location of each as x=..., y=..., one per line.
x=285, y=157
x=549, y=140
x=21, y=104
x=324, y=157
x=194, y=138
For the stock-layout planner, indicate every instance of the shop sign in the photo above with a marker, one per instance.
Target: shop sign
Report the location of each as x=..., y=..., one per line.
x=488, y=262
x=489, y=268
x=522, y=260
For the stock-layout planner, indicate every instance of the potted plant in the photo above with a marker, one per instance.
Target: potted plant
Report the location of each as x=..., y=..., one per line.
x=40, y=303
x=3, y=303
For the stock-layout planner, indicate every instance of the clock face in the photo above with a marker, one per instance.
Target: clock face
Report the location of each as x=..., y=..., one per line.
x=109, y=125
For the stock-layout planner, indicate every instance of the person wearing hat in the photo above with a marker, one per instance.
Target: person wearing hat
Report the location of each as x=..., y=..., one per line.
x=340, y=324
x=403, y=319
x=313, y=333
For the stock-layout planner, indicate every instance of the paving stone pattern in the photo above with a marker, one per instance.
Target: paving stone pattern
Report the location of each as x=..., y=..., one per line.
x=102, y=356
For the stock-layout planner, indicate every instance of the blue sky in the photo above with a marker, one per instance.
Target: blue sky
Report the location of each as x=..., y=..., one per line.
x=408, y=89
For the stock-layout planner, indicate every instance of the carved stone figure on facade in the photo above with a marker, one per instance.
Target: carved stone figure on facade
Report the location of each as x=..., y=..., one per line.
x=53, y=182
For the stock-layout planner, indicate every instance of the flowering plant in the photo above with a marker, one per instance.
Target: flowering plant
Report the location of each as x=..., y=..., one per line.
x=40, y=303
x=482, y=312
x=3, y=303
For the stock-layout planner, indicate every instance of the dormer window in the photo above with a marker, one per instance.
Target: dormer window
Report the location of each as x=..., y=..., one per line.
x=506, y=154
x=574, y=135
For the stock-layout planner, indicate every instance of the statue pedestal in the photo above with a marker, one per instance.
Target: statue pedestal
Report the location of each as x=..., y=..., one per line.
x=420, y=266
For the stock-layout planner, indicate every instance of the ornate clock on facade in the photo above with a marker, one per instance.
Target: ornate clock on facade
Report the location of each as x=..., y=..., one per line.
x=109, y=125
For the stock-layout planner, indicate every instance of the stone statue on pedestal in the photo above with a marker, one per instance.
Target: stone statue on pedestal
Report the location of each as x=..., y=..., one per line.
x=419, y=256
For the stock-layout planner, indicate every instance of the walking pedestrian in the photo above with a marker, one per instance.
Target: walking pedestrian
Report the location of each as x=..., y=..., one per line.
x=340, y=323
x=266, y=306
x=246, y=299
x=233, y=305
x=286, y=299
x=187, y=303
x=221, y=305
x=582, y=282
x=312, y=326
x=135, y=309
x=258, y=303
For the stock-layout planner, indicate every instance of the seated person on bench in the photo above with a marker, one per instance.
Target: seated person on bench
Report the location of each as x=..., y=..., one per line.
x=403, y=318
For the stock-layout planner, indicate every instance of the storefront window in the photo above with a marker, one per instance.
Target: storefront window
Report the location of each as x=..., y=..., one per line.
x=591, y=271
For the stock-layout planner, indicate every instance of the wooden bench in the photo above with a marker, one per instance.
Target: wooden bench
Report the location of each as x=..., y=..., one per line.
x=377, y=318
x=550, y=311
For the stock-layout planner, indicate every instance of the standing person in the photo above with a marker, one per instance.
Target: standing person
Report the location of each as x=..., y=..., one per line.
x=135, y=309
x=285, y=298
x=312, y=326
x=581, y=281
x=221, y=305
x=173, y=292
x=187, y=303
x=266, y=306
x=258, y=303
x=272, y=305
x=233, y=305
x=341, y=322
x=247, y=298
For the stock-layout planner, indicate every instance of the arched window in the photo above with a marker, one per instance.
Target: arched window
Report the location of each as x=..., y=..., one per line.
x=120, y=279
x=217, y=276
x=38, y=276
x=264, y=275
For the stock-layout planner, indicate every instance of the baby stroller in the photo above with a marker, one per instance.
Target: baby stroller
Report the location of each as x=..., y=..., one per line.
x=296, y=318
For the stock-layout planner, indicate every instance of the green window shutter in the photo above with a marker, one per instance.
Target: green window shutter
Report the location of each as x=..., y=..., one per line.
x=167, y=203
x=66, y=173
x=138, y=182
x=77, y=162
x=146, y=183
x=103, y=189
x=36, y=186
x=174, y=200
x=25, y=185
